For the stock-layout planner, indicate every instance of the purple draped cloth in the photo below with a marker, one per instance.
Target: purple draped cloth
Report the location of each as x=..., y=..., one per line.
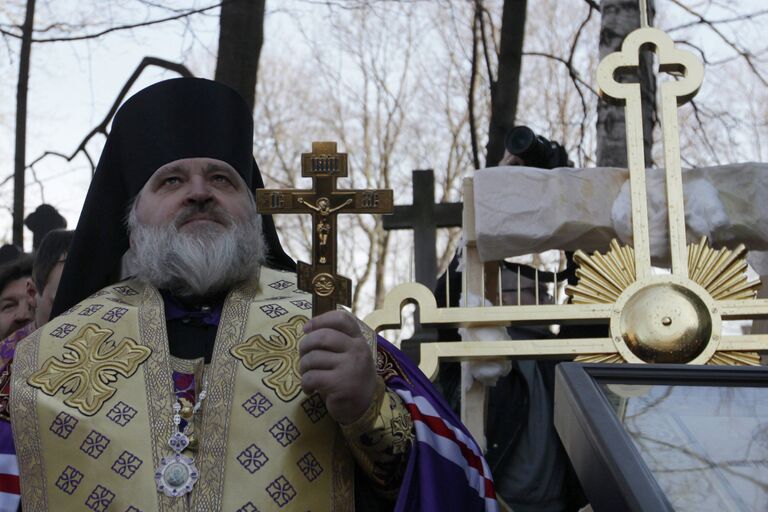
x=446, y=469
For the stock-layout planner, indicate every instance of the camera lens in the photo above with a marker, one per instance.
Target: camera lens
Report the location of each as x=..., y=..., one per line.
x=519, y=140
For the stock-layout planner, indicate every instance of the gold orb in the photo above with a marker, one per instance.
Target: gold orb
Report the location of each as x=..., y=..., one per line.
x=666, y=323
x=187, y=412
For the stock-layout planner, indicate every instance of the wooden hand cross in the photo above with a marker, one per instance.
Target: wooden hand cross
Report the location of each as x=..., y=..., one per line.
x=324, y=202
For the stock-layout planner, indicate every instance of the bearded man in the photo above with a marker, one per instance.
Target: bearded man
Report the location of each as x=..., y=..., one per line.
x=199, y=383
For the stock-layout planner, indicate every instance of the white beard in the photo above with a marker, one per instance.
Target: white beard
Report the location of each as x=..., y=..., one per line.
x=199, y=262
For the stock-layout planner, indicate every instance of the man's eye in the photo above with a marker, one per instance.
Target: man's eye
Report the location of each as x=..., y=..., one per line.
x=171, y=180
x=221, y=178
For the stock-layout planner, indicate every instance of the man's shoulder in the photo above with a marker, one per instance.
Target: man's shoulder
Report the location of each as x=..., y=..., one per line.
x=106, y=305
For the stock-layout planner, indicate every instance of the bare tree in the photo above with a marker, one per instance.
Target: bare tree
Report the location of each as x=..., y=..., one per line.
x=506, y=87
x=19, y=167
x=241, y=35
x=620, y=17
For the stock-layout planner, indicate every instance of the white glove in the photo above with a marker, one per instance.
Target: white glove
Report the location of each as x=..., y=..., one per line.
x=486, y=372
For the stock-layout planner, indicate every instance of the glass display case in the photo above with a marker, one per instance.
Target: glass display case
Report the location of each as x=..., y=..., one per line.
x=666, y=437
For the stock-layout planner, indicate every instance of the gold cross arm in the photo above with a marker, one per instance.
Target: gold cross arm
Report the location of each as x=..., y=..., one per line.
x=88, y=369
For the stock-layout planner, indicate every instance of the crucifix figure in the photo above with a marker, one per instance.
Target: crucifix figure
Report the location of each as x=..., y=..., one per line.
x=324, y=202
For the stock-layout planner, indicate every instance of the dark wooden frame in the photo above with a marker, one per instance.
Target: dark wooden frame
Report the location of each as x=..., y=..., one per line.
x=610, y=468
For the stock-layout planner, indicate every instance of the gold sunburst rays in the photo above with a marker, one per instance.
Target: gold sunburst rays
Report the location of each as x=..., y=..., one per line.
x=728, y=358
x=720, y=272
x=602, y=278
x=600, y=358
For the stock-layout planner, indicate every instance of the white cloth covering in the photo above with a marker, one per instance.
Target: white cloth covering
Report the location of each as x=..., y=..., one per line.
x=523, y=210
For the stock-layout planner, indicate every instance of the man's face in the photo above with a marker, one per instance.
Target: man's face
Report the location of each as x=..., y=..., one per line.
x=16, y=307
x=194, y=188
x=45, y=299
x=194, y=229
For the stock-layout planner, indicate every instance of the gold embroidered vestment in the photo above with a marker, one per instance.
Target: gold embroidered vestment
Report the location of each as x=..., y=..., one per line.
x=92, y=405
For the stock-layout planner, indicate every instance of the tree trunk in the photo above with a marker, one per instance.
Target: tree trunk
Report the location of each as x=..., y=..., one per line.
x=20, y=158
x=506, y=88
x=241, y=34
x=619, y=18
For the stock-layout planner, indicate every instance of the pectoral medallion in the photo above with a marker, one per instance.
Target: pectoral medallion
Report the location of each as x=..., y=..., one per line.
x=177, y=474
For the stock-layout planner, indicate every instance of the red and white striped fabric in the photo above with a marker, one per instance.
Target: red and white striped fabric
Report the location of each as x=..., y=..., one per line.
x=9, y=483
x=453, y=444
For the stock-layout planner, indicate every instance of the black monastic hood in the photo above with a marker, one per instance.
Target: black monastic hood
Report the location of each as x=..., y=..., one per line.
x=170, y=120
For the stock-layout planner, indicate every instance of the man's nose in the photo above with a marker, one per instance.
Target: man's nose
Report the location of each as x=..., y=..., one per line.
x=198, y=192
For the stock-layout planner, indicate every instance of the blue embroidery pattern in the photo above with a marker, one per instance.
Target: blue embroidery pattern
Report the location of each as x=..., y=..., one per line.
x=248, y=507
x=94, y=444
x=62, y=330
x=273, y=310
x=309, y=465
x=302, y=304
x=93, y=308
x=281, y=491
x=121, y=413
x=99, y=499
x=257, y=405
x=314, y=407
x=252, y=459
x=114, y=314
x=284, y=431
x=126, y=465
x=281, y=285
x=63, y=425
x=125, y=290
x=69, y=479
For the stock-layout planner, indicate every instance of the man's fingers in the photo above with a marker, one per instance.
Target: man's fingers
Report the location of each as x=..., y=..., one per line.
x=323, y=339
x=319, y=360
x=342, y=321
x=315, y=381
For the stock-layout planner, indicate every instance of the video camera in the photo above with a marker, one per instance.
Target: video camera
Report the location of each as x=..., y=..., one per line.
x=535, y=150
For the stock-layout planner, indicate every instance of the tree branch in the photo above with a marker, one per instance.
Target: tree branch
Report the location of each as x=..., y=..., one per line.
x=744, y=17
x=102, y=126
x=745, y=54
x=471, y=94
x=571, y=71
x=119, y=28
x=574, y=78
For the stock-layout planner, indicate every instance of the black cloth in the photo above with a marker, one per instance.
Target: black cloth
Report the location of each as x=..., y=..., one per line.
x=9, y=253
x=167, y=121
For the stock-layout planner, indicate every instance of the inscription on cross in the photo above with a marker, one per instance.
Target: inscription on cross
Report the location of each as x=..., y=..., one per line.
x=324, y=202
